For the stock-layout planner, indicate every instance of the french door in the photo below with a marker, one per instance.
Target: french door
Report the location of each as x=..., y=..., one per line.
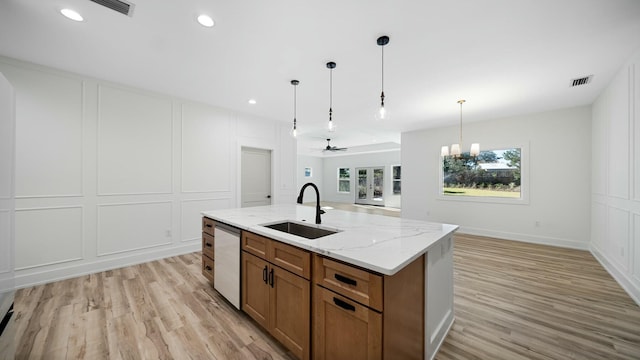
x=370, y=186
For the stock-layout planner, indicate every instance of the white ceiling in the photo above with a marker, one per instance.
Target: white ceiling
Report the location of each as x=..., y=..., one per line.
x=505, y=57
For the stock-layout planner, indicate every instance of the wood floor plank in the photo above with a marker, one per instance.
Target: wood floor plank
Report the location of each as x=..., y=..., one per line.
x=512, y=301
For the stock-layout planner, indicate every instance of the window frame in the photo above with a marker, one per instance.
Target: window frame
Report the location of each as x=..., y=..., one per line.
x=394, y=180
x=339, y=179
x=524, y=180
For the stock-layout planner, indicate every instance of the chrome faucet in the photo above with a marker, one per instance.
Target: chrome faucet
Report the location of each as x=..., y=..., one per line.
x=318, y=210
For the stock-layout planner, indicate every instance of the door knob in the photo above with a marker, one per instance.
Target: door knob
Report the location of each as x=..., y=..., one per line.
x=268, y=196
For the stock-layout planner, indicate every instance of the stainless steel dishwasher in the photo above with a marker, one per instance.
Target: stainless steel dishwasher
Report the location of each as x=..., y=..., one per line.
x=226, y=275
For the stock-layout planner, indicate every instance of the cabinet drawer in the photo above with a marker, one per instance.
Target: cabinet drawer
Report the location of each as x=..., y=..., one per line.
x=344, y=329
x=291, y=258
x=207, y=268
x=255, y=244
x=207, y=245
x=355, y=283
x=207, y=225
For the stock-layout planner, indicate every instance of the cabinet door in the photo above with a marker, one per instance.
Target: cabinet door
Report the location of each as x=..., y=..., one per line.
x=290, y=311
x=344, y=329
x=255, y=290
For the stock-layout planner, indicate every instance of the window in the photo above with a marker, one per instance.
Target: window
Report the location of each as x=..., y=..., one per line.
x=397, y=184
x=307, y=172
x=344, y=180
x=493, y=174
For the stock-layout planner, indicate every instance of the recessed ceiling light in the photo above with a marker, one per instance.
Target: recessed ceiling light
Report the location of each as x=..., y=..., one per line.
x=72, y=14
x=252, y=101
x=205, y=20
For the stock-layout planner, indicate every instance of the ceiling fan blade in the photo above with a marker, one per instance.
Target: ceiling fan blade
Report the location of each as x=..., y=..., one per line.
x=332, y=148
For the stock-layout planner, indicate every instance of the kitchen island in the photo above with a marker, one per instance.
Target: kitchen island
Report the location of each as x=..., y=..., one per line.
x=386, y=273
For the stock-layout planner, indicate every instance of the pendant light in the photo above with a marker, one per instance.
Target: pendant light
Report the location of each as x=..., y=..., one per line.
x=331, y=65
x=456, y=148
x=294, y=130
x=382, y=113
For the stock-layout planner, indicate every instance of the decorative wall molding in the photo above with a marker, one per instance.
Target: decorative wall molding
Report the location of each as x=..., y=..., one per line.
x=75, y=93
x=95, y=195
x=226, y=204
x=101, y=88
x=5, y=226
x=61, y=261
x=618, y=274
x=615, y=239
x=224, y=121
x=132, y=249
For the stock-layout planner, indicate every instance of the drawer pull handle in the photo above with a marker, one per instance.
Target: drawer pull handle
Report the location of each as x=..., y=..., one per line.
x=207, y=244
x=345, y=279
x=264, y=274
x=208, y=268
x=271, y=277
x=208, y=225
x=343, y=304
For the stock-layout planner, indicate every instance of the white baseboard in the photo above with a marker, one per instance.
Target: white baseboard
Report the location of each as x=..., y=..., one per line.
x=440, y=335
x=75, y=270
x=619, y=275
x=534, y=239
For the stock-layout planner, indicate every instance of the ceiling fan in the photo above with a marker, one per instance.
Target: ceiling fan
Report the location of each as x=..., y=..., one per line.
x=332, y=148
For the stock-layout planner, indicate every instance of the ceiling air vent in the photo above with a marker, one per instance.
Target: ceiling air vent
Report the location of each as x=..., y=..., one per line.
x=581, y=81
x=117, y=5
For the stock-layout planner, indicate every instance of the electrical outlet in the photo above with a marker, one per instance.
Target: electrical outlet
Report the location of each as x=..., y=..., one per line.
x=168, y=233
x=537, y=223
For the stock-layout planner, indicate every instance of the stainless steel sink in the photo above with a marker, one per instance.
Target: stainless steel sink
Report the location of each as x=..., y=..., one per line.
x=305, y=231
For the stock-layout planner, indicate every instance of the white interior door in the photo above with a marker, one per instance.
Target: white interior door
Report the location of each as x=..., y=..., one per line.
x=370, y=186
x=255, y=177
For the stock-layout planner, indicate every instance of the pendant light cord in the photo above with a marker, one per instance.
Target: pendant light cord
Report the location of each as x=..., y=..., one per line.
x=330, y=94
x=461, y=102
x=382, y=72
x=382, y=68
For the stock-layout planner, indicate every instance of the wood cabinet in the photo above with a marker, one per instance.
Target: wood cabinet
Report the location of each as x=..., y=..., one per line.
x=208, y=227
x=276, y=290
x=358, y=314
x=345, y=329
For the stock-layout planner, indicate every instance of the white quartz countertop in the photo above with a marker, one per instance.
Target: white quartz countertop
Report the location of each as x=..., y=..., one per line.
x=379, y=243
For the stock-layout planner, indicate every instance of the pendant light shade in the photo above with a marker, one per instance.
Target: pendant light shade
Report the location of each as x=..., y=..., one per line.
x=382, y=113
x=456, y=149
x=475, y=149
x=294, y=130
x=331, y=126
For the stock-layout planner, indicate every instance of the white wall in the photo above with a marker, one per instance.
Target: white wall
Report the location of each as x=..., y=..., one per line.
x=557, y=146
x=317, y=168
x=108, y=175
x=330, y=174
x=7, y=202
x=615, y=193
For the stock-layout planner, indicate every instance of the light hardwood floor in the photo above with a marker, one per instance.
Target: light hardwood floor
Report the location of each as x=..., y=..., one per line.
x=512, y=301
x=515, y=300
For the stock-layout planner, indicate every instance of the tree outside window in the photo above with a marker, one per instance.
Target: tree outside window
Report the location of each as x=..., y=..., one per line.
x=344, y=180
x=493, y=173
